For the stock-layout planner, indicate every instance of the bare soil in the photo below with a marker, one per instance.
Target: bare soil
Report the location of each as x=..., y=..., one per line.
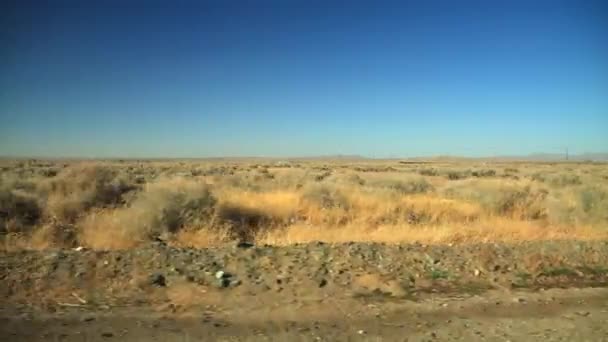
x=549, y=291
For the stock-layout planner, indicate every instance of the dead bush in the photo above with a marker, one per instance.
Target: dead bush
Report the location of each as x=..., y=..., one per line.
x=174, y=204
x=565, y=180
x=483, y=173
x=163, y=208
x=428, y=172
x=503, y=198
x=403, y=186
x=244, y=222
x=325, y=196
x=456, y=175
x=19, y=211
x=79, y=188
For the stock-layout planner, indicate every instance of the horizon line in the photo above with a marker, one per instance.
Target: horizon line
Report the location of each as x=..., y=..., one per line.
x=560, y=156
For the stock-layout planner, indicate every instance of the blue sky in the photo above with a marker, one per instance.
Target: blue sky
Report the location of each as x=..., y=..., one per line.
x=295, y=78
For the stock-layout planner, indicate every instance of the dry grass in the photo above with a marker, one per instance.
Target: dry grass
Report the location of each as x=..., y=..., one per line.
x=119, y=229
x=79, y=188
x=195, y=204
x=498, y=230
x=165, y=207
x=201, y=237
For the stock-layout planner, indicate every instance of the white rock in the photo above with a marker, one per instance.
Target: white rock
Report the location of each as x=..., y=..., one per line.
x=219, y=274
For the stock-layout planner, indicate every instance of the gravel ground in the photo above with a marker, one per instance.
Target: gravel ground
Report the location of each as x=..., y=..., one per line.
x=549, y=291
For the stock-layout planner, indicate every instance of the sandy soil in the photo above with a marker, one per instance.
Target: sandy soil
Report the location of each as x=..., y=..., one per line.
x=550, y=291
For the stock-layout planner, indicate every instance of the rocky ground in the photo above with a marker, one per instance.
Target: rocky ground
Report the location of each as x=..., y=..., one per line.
x=534, y=291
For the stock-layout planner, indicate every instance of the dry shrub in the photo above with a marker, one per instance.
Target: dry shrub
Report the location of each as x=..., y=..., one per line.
x=404, y=186
x=19, y=210
x=46, y=237
x=248, y=212
x=175, y=203
x=560, y=208
x=428, y=172
x=112, y=229
x=594, y=202
x=557, y=179
x=40, y=238
x=435, y=210
x=328, y=204
x=456, y=175
x=162, y=208
x=12, y=181
x=354, y=178
x=326, y=196
x=296, y=204
x=580, y=206
x=504, y=198
x=483, y=173
x=80, y=188
x=246, y=181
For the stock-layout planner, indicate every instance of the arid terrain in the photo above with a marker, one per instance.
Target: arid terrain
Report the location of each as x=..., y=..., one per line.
x=303, y=250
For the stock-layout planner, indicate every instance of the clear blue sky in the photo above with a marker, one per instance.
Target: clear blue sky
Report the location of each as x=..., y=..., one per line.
x=293, y=78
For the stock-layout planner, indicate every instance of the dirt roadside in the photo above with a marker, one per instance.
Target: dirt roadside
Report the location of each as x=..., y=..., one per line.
x=550, y=291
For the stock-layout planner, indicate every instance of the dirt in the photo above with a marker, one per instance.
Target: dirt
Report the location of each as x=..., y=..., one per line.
x=494, y=292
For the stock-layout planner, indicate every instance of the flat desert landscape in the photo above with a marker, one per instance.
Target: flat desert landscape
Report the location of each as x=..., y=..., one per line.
x=303, y=249
x=304, y=171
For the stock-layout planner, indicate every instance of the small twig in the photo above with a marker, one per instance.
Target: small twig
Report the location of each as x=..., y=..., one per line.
x=70, y=305
x=393, y=324
x=79, y=298
x=339, y=307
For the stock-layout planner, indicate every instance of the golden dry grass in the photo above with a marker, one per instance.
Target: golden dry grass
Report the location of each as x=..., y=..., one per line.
x=201, y=237
x=111, y=230
x=122, y=205
x=498, y=230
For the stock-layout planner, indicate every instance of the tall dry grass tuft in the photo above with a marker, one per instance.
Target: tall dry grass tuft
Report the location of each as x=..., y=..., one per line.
x=81, y=187
x=40, y=238
x=162, y=208
x=202, y=237
x=491, y=230
x=402, y=185
x=507, y=198
x=249, y=212
x=19, y=211
x=113, y=229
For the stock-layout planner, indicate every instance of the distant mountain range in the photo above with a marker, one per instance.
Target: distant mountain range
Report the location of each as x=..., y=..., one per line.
x=542, y=157
x=559, y=157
